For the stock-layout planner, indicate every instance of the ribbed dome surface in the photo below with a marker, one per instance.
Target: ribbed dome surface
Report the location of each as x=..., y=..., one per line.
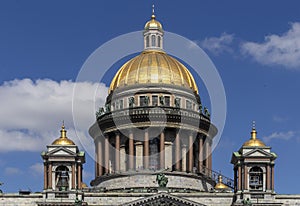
x=153, y=67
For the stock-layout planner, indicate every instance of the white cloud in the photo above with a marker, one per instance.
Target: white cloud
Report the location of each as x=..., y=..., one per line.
x=12, y=171
x=279, y=119
x=280, y=135
x=32, y=112
x=37, y=168
x=218, y=45
x=281, y=50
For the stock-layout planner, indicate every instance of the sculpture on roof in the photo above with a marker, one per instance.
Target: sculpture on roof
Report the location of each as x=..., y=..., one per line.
x=162, y=180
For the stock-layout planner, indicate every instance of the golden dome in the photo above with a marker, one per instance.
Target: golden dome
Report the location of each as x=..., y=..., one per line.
x=220, y=185
x=153, y=67
x=254, y=142
x=153, y=24
x=83, y=185
x=63, y=139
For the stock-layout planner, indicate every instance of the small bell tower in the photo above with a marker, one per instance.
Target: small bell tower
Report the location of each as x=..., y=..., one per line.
x=153, y=34
x=253, y=171
x=63, y=164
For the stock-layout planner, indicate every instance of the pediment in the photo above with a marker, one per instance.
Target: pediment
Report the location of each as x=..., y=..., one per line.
x=61, y=151
x=258, y=153
x=163, y=199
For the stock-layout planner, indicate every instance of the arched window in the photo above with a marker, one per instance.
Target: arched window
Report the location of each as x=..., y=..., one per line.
x=147, y=42
x=62, y=178
x=256, y=178
x=159, y=41
x=153, y=41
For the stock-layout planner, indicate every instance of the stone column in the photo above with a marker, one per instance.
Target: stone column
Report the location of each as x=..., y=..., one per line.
x=183, y=158
x=99, y=156
x=122, y=158
x=200, y=164
x=96, y=158
x=177, y=152
x=191, y=154
x=131, y=151
x=239, y=177
x=162, y=150
x=245, y=178
x=146, y=150
x=272, y=177
x=73, y=176
x=106, y=151
x=79, y=176
x=117, y=155
x=45, y=176
x=168, y=155
x=207, y=171
x=50, y=175
x=210, y=155
x=139, y=155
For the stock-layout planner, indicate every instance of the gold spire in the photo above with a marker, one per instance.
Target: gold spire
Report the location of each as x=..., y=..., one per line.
x=153, y=15
x=220, y=185
x=254, y=142
x=63, y=139
x=63, y=132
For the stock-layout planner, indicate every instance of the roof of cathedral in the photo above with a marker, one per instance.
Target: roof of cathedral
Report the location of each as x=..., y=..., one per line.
x=153, y=66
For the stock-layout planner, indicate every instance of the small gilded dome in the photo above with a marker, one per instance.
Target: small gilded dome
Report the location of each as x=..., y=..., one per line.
x=153, y=67
x=63, y=139
x=220, y=185
x=254, y=142
x=153, y=24
x=83, y=185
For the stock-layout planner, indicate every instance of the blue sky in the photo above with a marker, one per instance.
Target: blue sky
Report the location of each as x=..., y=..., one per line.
x=255, y=46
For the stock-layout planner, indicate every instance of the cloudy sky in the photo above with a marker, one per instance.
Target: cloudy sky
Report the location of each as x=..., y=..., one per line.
x=254, y=45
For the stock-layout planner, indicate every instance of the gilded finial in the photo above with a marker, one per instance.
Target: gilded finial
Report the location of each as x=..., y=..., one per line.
x=220, y=179
x=153, y=15
x=253, y=132
x=63, y=132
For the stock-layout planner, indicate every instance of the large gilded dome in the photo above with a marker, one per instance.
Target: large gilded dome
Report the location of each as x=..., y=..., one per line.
x=153, y=67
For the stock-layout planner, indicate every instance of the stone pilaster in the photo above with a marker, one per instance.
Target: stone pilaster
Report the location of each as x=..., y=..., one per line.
x=122, y=158
x=168, y=155
x=139, y=155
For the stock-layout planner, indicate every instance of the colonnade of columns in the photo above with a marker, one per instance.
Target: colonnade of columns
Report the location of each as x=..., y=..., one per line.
x=116, y=153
